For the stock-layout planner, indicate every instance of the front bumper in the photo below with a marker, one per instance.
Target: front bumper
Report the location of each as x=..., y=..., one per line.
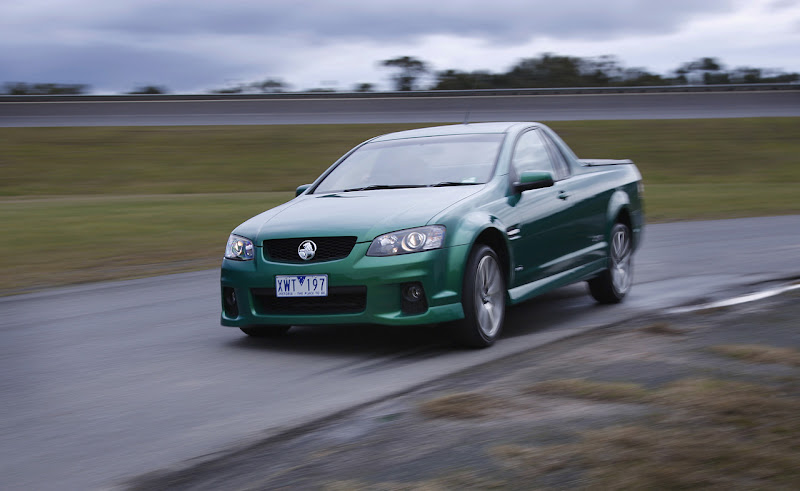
x=440, y=272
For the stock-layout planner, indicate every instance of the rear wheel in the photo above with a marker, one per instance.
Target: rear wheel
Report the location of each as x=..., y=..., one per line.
x=483, y=299
x=265, y=331
x=614, y=283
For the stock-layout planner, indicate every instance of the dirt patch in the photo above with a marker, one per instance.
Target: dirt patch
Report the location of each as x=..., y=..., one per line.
x=463, y=405
x=662, y=328
x=651, y=457
x=601, y=391
x=665, y=405
x=759, y=353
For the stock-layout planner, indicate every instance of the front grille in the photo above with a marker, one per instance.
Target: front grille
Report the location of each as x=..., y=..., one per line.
x=340, y=300
x=328, y=249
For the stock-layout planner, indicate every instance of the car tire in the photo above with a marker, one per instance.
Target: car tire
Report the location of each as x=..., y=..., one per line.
x=613, y=284
x=483, y=298
x=265, y=331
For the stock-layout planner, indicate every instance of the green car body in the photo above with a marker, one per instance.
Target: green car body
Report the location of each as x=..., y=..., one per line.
x=545, y=230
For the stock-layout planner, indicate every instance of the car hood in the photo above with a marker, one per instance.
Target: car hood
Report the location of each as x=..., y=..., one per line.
x=364, y=214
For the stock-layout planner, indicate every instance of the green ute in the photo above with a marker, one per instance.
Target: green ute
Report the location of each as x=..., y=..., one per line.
x=442, y=224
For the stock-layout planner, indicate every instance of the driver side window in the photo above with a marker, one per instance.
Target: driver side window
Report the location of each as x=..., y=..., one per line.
x=530, y=154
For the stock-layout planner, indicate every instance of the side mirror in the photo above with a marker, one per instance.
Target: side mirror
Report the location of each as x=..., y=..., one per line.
x=533, y=180
x=301, y=189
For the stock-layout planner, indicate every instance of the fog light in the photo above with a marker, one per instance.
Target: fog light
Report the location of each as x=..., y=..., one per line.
x=230, y=305
x=413, y=293
x=414, y=301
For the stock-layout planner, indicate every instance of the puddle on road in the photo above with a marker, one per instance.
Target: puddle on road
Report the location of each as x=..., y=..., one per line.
x=750, y=297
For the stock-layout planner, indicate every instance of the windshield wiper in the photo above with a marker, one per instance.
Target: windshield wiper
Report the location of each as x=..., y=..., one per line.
x=383, y=186
x=452, y=183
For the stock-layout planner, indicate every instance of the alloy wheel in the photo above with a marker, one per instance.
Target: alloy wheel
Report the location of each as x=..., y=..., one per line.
x=489, y=296
x=621, y=256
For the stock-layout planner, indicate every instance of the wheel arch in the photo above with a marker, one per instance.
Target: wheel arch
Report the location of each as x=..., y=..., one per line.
x=484, y=305
x=476, y=227
x=624, y=217
x=619, y=211
x=496, y=240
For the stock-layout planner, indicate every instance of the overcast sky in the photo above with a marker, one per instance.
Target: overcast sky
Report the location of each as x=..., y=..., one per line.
x=193, y=46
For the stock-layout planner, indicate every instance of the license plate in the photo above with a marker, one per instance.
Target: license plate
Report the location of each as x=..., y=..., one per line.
x=308, y=285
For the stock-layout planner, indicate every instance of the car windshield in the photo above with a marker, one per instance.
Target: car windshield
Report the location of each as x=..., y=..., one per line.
x=451, y=160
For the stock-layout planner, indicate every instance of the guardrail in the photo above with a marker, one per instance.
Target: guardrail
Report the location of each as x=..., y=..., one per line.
x=416, y=94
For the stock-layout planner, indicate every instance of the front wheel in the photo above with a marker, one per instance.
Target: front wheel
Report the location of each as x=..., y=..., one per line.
x=483, y=299
x=265, y=331
x=613, y=284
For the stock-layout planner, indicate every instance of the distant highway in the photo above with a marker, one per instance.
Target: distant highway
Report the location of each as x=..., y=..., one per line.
x=307, y=109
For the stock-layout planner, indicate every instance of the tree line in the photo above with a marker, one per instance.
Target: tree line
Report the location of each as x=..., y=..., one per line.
x=544, y=71
x=551, y=71
x=23, y=88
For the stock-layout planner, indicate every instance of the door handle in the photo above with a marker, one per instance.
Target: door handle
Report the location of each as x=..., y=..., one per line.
x=563, y=195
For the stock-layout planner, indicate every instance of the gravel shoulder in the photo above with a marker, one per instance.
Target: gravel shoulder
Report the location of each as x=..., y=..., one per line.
x=703, y=399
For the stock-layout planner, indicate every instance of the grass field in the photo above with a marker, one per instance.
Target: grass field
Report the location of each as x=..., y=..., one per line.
x=84, y=204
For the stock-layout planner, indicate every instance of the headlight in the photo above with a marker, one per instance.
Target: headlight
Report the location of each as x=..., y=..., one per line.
x=408, y=241
x=239, y=248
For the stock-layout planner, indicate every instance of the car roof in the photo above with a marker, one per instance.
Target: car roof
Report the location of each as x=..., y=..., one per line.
x=453, y=129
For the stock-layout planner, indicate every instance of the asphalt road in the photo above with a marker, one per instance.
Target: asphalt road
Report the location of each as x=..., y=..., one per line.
x=403, y=110
x=106, y=381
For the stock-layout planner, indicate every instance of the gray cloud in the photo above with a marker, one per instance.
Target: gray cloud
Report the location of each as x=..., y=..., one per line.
x=781, y=4
x=111, y=66
x=499, y=21
x=192, y=44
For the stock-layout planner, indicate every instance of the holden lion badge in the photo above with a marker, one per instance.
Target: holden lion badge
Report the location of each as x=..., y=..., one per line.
x=307, y=250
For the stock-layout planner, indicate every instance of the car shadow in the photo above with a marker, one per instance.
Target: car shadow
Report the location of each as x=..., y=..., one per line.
x=538, y=314
x=552, y=308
